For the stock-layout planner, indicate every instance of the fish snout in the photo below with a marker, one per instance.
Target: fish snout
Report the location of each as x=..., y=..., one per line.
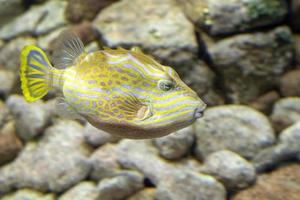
x=199, y=111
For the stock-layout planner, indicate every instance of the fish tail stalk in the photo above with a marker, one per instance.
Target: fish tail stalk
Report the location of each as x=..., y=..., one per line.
x=36, y=73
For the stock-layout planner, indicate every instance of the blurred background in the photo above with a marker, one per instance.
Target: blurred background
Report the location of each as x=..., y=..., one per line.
x=241, y=56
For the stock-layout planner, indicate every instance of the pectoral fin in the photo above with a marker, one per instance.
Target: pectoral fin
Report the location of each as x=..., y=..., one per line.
x=133, y=108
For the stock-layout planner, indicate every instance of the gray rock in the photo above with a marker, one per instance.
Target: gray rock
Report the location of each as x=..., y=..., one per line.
x=271, y=157
x=104, y=162
x=240, y=129
x=10, y=53
x=120, y=186
x=45, y=41
x=4, y=113
x=190, y=186
x=86, y=190
x=132, y=153
x=38, y=20
x=31, y=118
x=145, y=194
x=53, y=17
x=250, y=64
x=28, y=194
x=231, y=16
x=96, y=137
x=7, y=81
x=229, y=168
x=175, y=145
x=55, y=163
x=286, y=112
x=159, y=27
x=202, y=80
x=175, y=180
x=9, y=10
x=287, y=149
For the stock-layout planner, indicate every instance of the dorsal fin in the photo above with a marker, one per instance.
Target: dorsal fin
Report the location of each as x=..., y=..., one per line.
x=69, y=48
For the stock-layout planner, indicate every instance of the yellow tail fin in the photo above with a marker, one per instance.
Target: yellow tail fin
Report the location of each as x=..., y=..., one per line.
x=35, y=73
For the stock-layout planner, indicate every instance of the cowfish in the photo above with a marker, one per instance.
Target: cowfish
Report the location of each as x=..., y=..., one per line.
x=123, y=92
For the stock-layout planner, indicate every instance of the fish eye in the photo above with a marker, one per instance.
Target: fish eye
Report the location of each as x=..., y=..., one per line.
x=165, y=85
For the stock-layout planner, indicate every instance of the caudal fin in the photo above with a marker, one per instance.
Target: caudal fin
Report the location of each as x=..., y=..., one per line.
x=35, y=73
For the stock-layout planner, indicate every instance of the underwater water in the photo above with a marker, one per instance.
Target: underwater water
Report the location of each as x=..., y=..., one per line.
x=242, y=58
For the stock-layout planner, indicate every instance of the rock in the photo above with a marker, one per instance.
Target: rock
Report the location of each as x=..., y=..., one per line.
x=104, y=162
x=265, y=102
x=147, y=24
x=251, y=64
x=190, y=186
x=289, y=84
x=145, y=194
x=297, y=49
x=294, y=19
x=131, y=155
x=28, y=194
x=120, y=186
x=38, y=20
x=96, y=137
x=85, y=31
x=229, y=168
x=10, y=144
x=173, y=180
x=287, y=149
x=9, y=54
x=176, y=145
x=291, y=136
x=240, y=129
x=79, y=10
x=202, y=80
x=286, y=112
x=31, y=118
x=46, y=41
x=4, y=114
x=86, y=190
x=9, y=10
x=281, y=184
x=7, y=81
x=55, y=163
x=273, y=156
x=233, y=16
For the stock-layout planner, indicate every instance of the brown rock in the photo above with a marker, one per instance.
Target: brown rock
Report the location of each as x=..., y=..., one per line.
x=79, y=10
x=281, y=184
x=84, y=31
x=289, y=84
x=10, y=144
x=265, y=102
x=297, y=48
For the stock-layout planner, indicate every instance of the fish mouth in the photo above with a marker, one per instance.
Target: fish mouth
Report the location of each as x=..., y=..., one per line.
x=199, y=111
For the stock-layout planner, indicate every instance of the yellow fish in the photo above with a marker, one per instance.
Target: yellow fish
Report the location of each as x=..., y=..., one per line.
x=123, y=92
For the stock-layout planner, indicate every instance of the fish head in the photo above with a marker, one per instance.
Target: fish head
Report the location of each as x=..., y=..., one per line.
x=172, y=105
